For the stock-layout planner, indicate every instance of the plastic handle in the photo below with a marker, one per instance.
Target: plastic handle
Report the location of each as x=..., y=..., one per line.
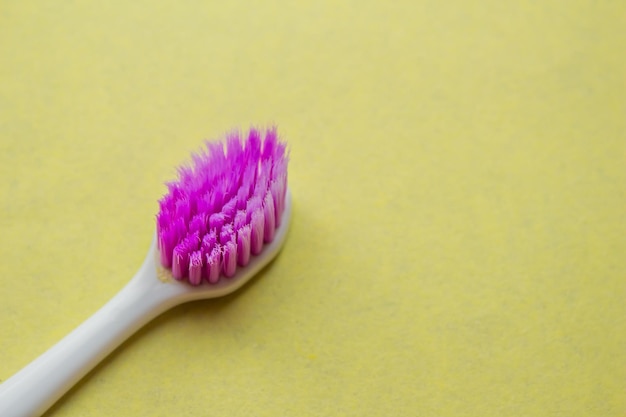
x=31, y=391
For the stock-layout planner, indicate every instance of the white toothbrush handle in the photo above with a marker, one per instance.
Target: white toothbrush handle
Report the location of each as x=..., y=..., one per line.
x=31, y=391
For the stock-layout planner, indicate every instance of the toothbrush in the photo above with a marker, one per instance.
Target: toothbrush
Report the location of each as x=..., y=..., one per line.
x=221, y=221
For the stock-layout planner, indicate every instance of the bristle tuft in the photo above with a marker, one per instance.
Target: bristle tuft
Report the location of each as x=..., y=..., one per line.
x=243, y=245
x=229, y=257
x=269, y=218
x=195, y=268
x=257, y=223
x=213, y=265
x=224, y=206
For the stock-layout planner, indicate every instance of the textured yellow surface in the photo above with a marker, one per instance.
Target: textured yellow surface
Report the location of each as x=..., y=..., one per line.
x=459, y=179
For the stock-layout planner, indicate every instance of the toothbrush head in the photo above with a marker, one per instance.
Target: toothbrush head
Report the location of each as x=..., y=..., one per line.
x=225, y=209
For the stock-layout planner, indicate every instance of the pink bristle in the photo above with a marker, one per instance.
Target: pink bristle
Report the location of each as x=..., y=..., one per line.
x=216, y=196
x=166, y=204
x=230, y=184
x=229, y=250
x=208, y=241
x=279, y=168
x=180, y=262
x=253, y=205
x=198, y=224
x=253, y=145
x=229, y=257
x=262, y=180
x=195, y=268
x=163, y=220
x=216, y=221
x=216, y=158
x=227, y=234
x=169, y=238
x=280, y=152
x=269, y=218
x=257, y=224
x=234, y=149
x=180, y=257
x=240, y=219
x=183, y=209
x=165, y=255
x=203, y=203
x=174, y=191
x=242, y=198
x=229, y=209
x=269, y=144
x=167, y=241
x=248, y=179
x=224, y=206
x=276, y=190
x=185, y=173
x=243, y=245
x=213, y=265
x=180, y=228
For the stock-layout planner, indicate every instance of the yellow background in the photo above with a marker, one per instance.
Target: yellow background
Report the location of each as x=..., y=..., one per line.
x=458, y=171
